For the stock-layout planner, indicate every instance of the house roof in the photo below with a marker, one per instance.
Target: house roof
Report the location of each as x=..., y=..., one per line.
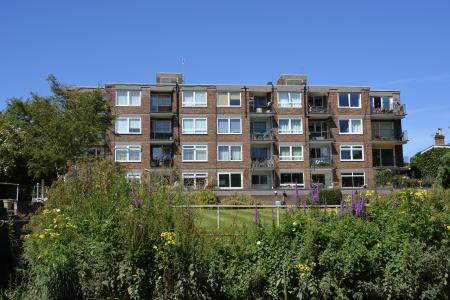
x=447, y=146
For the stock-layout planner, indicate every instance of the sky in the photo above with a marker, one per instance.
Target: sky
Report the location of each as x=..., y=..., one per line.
x=389, y=45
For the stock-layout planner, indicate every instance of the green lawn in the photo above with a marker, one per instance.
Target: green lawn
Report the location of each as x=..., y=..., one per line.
x=206, y=219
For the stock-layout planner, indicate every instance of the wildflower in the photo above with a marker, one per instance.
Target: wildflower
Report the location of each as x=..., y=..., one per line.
x=297, y=193
x=303, y=270
x=41, y=236
x=149, y=189
x=325, y=206
x=378, y=245
x=294, y=223
x=448, y=227
x=316, y=193
x=258, y=243
x=169, y=237
x=342, y=205
x=57, y=210
x=155, y=247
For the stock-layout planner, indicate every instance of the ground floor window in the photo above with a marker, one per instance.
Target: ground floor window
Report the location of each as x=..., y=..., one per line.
x=352, y=179
x=134, y=175
x=318, y=178
x=290, y=179
x=230, y=180
x=260, y=179
x=195, y=180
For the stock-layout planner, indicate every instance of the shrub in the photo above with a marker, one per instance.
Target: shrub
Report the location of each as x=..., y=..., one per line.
x=443, y=174
x=331, y=196
x=383, y=177
x=200, y=197
x=240, y=199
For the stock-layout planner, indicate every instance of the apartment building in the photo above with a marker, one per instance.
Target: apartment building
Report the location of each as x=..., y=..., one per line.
x=255, y=139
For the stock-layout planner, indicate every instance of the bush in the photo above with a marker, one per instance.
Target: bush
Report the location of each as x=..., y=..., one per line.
x=202, y=197
x=331, y=196
x=100, y=236
x=443, y=174
x=383, y=177
x=240, y=199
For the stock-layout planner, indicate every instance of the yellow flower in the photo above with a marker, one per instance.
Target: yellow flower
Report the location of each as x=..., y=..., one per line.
x=378, y=245
x=448, y=227
x=41, y=236
x=169, y=237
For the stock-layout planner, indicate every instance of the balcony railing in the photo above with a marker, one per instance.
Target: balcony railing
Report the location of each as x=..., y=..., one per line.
x=161, y=109
x=396, y=110
x=319, y=136
x=318, y=109
x=161, y=163
x=262, y=163
x=390, y=135
x=161, y=136
x=322, y=161
x=262, y=136
x=262, y=109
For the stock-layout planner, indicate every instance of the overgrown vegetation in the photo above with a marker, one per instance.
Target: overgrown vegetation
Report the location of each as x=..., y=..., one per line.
x=101, y=237
x=426, y=165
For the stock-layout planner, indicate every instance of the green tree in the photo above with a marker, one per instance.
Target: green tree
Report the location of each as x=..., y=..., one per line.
x=443, y=174
x=52, y=130
x=427, y=164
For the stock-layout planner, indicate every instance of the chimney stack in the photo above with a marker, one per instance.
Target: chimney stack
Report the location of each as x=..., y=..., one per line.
x=439, y=139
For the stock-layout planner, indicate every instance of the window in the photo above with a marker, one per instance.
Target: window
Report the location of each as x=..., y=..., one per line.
x=161, y=103
x=383, y=130
x=352, y=179
x=194, y=126
x=382, y=103
x=168, y=80
x=195, y=180
x=225, y=99
x=318, y=129
x=230, y=180
x=128, y=153
x=128, y=125
x=134, y=175
x=194, y=99
x=350, y=126
x=229, y=152
x=316, y=101
x=195, y=153
x=291, y=179
x=128, y=98
x=350, y=100
x=352, y=153
x=383, y=157
x=229, y=126
x=290, y=126
x=291, y=153
x=259, y=153
x=294, y=82
x=260, y=179
x=289, y=99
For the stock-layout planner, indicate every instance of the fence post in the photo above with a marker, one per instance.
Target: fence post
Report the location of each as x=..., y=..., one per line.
x=278, y=216
x=218, y=217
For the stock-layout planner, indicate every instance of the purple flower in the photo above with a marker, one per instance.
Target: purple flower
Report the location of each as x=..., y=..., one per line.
x=315, y=193
x=149, y=189
x=353, y=201
x=297, y=193
x=137, y=203
x=256, y=217
x=342, y=205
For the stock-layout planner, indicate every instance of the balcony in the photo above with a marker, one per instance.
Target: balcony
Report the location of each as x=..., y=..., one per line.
x=389, y=136
x=161, y=163
x=162, y=137
x=320, y=136
x=262, y=136
x=396, y=111
x=261, y=110
x=322, y=161
x=263, y=163
x=319, y=112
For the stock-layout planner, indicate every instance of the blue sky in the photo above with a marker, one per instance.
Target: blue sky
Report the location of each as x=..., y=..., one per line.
x=401, y=45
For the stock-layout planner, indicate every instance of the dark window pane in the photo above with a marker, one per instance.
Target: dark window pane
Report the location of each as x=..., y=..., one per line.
x=263, y=179
x=346, y=154
x=318, y=178
x=357, y=154
x=297, y=178
x=343, y=125
x=354, y=99
x=387, y=157
x=236, y=180
x=376, y=157
x=377, y=102
x=201, y=182
x=188, y=182
x=358, y=181
x=343, y=99
x=224, y=180
x=347, y=181
x=285, y=178
x=255, y=179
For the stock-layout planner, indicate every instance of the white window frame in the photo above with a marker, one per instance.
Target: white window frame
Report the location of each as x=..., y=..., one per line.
x=127, y=147
x=128, y=125
x=291, y=157
x=194, y=176
x=133, y=175
x=302, y=185
x=291, y=131
x=230, y=188
x=128, y=98
x=349, y=100
x=195, y=131
x=195, y=148
x=194, y=95
x=391, y=102
x=228, y=95
x=350, y=126
x=351, y=148
x=229, y=125
x=353, y=175
x=290, y=104
x=229, y=152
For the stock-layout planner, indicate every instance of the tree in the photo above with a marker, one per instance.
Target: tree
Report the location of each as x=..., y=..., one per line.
x=53, y=130
x=426, y=165
x=443, y=174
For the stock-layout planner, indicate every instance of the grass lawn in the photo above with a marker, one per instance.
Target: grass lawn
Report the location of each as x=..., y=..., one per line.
x=234, y=218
